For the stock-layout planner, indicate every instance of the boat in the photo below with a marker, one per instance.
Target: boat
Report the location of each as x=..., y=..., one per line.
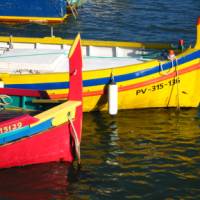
x=45, y=11
x=50, y=135
x=147, y=75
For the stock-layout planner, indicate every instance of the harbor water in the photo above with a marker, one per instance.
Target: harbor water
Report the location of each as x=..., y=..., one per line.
x=137, y=154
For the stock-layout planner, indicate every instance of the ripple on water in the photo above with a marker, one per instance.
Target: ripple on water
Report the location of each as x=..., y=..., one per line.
x=138, y=154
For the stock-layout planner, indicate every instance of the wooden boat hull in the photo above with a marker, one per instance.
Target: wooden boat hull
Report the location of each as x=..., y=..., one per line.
x=155, y=83
x=46, y=137
x=51, y=135
x=141, y=86
x=51, y=12
x=48, y=146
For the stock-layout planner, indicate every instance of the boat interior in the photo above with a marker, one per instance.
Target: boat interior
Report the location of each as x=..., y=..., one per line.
x=37, y=58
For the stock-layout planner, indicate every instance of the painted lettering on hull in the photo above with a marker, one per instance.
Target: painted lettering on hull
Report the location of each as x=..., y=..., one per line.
x=10, y=127
x=158, y=86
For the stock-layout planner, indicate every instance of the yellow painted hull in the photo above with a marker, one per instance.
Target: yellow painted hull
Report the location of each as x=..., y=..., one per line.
x=146, y=85
x=163, y=89
x=175, y=91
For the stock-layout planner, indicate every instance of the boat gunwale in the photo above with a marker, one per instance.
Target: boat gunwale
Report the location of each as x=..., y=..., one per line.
x=67, y=108
x=84, y=42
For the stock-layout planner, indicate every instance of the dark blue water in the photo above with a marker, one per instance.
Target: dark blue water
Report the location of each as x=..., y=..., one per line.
x=138, y=154
x=135, y=20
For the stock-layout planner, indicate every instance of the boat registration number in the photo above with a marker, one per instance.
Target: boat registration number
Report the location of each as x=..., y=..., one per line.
x=10, y=127
x=159, y=86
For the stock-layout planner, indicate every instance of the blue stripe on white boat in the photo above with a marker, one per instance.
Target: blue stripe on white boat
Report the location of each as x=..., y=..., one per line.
x=106, y=80
x=24, y=132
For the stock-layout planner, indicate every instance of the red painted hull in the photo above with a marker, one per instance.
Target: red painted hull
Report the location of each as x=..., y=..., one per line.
x=48, y=146
x=31, y=145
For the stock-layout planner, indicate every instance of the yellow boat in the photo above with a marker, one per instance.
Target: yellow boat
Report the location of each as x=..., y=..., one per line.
x=145, y=74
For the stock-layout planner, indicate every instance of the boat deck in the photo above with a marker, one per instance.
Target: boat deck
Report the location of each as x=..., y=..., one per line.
x=27, y=61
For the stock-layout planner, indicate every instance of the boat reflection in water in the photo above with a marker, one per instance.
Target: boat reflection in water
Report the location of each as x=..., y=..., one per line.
x=152, y=153
x=45, y=181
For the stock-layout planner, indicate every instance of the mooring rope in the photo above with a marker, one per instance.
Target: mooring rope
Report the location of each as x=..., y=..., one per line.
x=162, y=70
x=176, y=80
x=177, y=84
x=3, y=101
x=9, y=101
x=33, y=54
x=76, y=140
x=72, y=8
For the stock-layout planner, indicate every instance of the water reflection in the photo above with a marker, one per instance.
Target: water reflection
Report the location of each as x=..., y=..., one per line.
x=138, y=154
x=45, y=181
x=145, y=154
x=151, y=153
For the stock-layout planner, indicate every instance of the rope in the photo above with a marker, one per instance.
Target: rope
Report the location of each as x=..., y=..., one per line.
x=3, y=101
x=76, y=140
x=72, y=8
x=172, y=59
x=162, y=70
x=177, y=84
x=176, y=80
x=36, y=54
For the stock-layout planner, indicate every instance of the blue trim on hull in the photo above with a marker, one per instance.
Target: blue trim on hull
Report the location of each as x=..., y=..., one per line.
x=105, y=81
x=24, y=132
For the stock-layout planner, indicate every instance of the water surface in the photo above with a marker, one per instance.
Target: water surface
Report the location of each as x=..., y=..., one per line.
x=138, y=154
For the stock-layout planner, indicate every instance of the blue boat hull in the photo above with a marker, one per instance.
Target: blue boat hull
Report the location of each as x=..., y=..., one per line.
x=33, y=11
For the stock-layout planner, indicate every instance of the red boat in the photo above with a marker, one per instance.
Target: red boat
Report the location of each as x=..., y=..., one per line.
x=51, y=135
